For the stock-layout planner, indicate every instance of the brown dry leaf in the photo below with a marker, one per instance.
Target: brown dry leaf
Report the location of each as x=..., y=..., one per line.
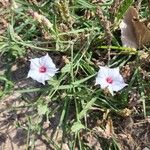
x=126, y=142
x=134, y=33
x=125, y=112
x=142, y=32
x=108, y=132
x=3, y=25
x=4, y=3
x=126, y=26
x=109, y=127
x=91, y=141
x=65, y=59
x=135, y=134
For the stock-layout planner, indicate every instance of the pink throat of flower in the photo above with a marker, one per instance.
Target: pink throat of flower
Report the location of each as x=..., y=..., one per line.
x=42, y=69
x=109, y=80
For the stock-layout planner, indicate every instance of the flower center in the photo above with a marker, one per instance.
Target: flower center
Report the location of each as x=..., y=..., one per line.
x=109, y=80
x=42, y=69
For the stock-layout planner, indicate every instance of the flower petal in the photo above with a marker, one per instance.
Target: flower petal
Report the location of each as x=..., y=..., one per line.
x=103, y=72
x=47, y=61
x=110, y=89
x=35, y=75
x=115, y=74
x=112, y=73
x=117, y=86
x=51, y=72
x=102, y=82
x=35, y=64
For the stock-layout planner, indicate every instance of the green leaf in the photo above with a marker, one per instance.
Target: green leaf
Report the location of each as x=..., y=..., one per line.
x=85, y=3
x=86, y=108
x=123, y=8
x=42, y=109
x=8, y=86
x=76, y=83
x=66, y=68
x=53, y=82
x=77, y=126
x=17, y=51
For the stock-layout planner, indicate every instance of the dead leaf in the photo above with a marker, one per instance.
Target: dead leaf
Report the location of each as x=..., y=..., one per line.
x=142, y=32
x=91, y=141
x=108, y=132
x=109, y=127
x=127, y=30
x=134, y=33
x=4, y=3
x=125, y=112
x=3, y=25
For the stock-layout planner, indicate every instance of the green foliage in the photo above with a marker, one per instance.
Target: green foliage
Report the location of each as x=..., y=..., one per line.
x=123, y=8
x=42, y=109
x=86, y=108
x=7, y=86
x=70, y=98
x=77, y=126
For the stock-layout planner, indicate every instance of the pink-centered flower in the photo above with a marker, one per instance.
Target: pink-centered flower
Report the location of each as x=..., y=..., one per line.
x=110, y=78
x=42, y=69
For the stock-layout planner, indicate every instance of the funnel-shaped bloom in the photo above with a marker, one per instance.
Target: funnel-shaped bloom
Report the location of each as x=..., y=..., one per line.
x=110, y=78
x=42, y=69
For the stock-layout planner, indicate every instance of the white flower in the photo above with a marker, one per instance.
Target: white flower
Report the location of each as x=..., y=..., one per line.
x=110, y=78
x=42, y=69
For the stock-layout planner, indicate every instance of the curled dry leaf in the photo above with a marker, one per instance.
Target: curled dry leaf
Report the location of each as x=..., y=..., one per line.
x=108, y=132
x=134, y=33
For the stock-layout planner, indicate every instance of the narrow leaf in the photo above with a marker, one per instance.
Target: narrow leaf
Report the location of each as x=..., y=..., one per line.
x=86, y=108
x=123, y=8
